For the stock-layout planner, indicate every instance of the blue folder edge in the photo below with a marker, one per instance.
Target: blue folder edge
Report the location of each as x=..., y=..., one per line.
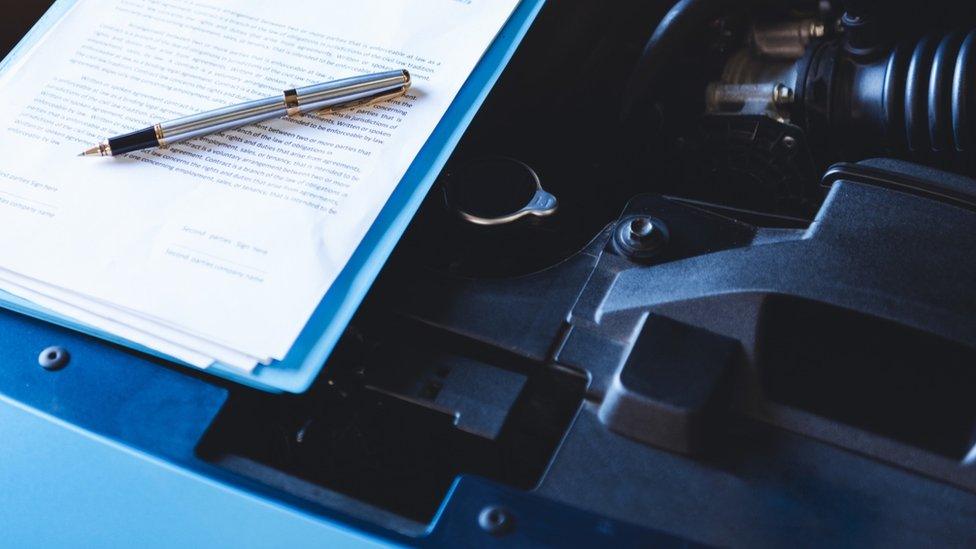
x=308, y=355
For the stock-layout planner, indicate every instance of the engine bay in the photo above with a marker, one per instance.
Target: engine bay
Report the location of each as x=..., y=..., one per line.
x=730, y=300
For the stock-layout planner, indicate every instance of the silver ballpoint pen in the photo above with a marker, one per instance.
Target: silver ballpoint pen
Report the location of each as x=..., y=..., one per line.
x=348, y=92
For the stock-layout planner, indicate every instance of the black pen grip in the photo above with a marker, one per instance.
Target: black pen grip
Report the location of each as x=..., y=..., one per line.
x=135, y=141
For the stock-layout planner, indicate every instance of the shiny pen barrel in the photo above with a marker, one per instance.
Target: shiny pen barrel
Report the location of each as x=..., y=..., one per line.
x=348, y=92
x=345, y=92
x=218, y=120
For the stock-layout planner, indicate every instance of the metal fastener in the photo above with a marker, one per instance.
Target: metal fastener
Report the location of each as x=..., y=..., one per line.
x=497, y=521
x=53, y=358
x=782, y=94
x=641, y=228
x=640, y=236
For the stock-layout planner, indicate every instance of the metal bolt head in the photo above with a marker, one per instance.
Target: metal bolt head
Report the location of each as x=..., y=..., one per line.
x=53, y=358
x=641, y=228
x=496, y=521
x=640, y=236
x=782, y=94
x=789, y=141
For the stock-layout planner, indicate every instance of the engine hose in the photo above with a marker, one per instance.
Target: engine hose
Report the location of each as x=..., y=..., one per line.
x=917, y=101
x=928, y=96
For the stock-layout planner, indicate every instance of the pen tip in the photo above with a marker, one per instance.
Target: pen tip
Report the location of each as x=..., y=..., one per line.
x=101, y=149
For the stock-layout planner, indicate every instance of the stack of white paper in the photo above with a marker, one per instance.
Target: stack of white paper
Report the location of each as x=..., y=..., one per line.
x=220, y=248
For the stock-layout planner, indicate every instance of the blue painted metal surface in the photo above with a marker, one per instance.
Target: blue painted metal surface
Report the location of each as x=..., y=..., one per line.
x=106, y=389
x=535, y=522
x=63, y=487
x=110, y=400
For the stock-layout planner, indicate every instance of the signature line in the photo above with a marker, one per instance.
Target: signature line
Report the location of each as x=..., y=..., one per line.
x=220, y=259
x=52, y=206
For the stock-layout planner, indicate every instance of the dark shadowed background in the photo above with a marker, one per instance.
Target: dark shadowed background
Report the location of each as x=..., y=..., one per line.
x=16, y=19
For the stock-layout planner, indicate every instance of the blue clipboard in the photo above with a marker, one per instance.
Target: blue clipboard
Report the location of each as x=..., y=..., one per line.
x=307, y=356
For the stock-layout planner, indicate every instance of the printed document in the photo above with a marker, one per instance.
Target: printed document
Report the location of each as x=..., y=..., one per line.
x=221, y=247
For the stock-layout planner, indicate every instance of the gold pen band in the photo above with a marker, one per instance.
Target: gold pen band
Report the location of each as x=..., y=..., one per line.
x=291, y=102
x=160, y=136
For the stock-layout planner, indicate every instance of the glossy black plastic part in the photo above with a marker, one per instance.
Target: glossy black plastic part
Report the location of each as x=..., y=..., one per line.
x=135, y=141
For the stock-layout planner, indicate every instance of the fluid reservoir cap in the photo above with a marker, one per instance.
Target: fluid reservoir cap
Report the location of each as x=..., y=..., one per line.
x=497, y=190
